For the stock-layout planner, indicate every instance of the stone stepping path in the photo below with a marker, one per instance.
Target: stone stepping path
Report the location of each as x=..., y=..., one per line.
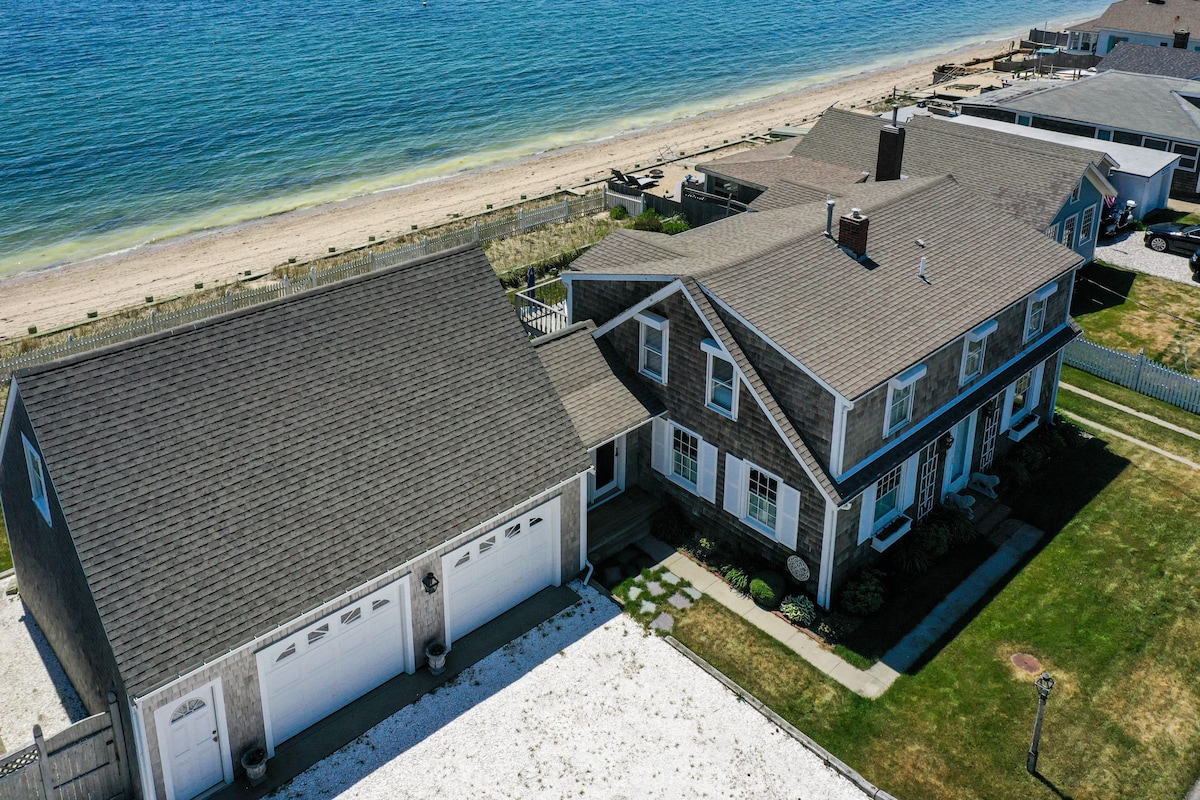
x=693, y=592
x=671, y=578
x=634, y=593
x=648, y=607
x=655, y=589
x=679, y=601
x=663, y=622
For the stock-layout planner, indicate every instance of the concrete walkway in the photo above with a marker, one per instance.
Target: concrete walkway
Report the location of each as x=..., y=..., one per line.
x=1107, y=431
x=873, y=682
x=1131, y=411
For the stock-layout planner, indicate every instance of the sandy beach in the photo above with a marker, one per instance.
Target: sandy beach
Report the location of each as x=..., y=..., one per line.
x=60, y=296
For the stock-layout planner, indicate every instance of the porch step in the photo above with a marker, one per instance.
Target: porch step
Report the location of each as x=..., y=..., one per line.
x=619, y=523
x=990, y=515
x=618, y=542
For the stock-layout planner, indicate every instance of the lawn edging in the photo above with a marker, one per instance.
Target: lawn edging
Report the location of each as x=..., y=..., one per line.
x=828, y=758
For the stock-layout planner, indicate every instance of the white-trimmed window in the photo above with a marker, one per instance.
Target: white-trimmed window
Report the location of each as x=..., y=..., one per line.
x=685, y=458
x=653, y=342
x=1052, y=231
x=885, y=501
x=1068, y=239
x=887, y=495
x=900, y=399
x=1035, y=312
x=721, y=383
x=1021, y=398
x=1075, y=191
x=1088, y=226
x=974, y=350
x=761, y=500
x=37, y=479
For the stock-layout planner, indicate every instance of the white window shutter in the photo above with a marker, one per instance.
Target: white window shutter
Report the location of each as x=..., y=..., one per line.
x=732, y=501
x=788, y=519
x=707, y=484
x=660, y=451
x=866, y=521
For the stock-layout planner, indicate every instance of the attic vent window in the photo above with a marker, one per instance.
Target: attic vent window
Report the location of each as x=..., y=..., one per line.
x=352, y=616
x=318, y=634
x=378, y=604
x=512, y=530
x=487, y=544
x=290, y=650
x=37, y=479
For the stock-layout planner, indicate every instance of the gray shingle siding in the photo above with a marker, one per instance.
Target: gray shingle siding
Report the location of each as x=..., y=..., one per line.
x=600, y=301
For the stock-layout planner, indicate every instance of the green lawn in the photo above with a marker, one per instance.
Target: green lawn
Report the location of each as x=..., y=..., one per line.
x=1111, y=607
x=1129, y=311
x=1131, y=399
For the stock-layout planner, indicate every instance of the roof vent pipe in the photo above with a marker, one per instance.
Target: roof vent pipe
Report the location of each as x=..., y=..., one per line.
x=921, y=269
x=895, y=115
x=829, y=204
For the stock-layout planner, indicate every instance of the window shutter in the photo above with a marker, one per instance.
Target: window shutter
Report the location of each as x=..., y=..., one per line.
x=733, y=485
x=788, y=519
x=707, y=484
x=866, y=521
x=660, y=451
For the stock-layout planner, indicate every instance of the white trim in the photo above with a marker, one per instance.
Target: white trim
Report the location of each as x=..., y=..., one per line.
x=979, y=333
x=329, y=605
x=1071, y=224
x=868, y=526
x=594, y=276
x=39, y=485
x=905, y=380
x=972, y=424
x=1042, y=296
x=583, y=530
x=828, y=545
x=837, y=441
x=649, y=320
x=1091, y=225
x=13, y=391
x=1008, y=419
x=747, y=519
x=637, y=308
x=669, y=454
x=714, y=351
x=141, y=751
x=212, y=690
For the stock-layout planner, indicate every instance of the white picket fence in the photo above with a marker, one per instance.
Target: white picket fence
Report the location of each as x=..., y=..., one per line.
x=1135, y=372
x=512, y=225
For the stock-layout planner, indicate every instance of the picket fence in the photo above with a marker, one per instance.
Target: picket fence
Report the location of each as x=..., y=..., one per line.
x=1135, y=372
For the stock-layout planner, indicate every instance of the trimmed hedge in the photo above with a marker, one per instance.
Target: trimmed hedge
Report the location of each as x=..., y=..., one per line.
x=767, y=589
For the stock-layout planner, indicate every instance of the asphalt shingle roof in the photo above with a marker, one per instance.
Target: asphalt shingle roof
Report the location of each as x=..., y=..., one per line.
x=1152, y=60
x=1143, y=103
x=1160, y=18
x=856, y=324
x=601, y=397
x=764, y=172
x=224, y=478
x=1029, y=179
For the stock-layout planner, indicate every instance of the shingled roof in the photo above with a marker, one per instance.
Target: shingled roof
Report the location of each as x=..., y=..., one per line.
x=224, y=478
x=1161, y=18
x=783, y=164
x=1028, y=179
x=857, y=324
x=601, y=397
x=1145, y=59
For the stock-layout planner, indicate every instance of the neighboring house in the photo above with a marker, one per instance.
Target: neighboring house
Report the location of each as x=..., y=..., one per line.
x=1159, y=23
x=236, y=525
x=746, y=175
x=830, y=376
x=1139, y=173
x=1149, y=60
x=1054, y=188
x=1141, y=110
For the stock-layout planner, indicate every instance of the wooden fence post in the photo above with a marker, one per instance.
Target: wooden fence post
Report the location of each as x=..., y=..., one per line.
x=312, y=277
x=228, y=301
x=1137, y=380
x=475, y=230
x=521, y=220
x=120, y=746
x=44, y=764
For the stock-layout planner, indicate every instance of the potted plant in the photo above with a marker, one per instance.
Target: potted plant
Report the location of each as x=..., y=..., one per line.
x=435, y=653
x=254, y=761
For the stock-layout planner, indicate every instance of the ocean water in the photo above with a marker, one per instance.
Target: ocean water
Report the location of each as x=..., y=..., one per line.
x=125, y=121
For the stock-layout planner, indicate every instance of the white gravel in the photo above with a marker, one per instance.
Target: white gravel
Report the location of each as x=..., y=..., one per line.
x=1128, y=251
x=585, y=705
x=33, y=686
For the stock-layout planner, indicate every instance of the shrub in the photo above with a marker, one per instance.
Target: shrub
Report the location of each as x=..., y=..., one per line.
x=618, y=212
x=674, y=225
x=910, y=558
x=767, y=589
x=649, y=213
x=737, y=579
x=648, y=224
x=932, y=537
x=799, y=610
x=670, y=524
x=863, y=594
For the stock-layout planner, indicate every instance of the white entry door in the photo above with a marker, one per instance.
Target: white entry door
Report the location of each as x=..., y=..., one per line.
x=496, y=571
x=958, y=460
x=314, y=672
x=193, y=743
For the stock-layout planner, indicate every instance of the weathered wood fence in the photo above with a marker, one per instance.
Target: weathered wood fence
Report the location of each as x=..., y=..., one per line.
x=512, y=225
x=1135, y=372
x=83, y=762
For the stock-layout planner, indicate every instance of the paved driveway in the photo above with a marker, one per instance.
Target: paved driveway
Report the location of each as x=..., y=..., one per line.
x=585, y=705
x=1128, y=251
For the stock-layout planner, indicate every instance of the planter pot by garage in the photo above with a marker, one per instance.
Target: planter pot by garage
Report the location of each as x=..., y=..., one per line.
x=435, y=653
x=254, y=761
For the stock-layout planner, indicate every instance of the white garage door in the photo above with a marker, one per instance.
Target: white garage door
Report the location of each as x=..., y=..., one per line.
x=316, y=671
x=500, y=569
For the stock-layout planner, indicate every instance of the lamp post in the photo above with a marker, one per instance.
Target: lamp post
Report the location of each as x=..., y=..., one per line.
x=1044, y=686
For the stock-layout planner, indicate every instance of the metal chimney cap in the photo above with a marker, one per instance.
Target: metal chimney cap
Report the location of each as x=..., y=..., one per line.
x=856, y=213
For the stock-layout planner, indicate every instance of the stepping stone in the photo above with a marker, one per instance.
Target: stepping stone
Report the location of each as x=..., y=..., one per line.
x=679, y=601
x=648, y=607
x=639, y=578
x=663, y=622
x=612, y=576
x=634, y=593
x=671, y=578
x=693, y=592
x=655, y=589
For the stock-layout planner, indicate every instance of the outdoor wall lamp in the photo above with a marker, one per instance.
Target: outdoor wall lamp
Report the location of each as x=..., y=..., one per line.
x=430, y=582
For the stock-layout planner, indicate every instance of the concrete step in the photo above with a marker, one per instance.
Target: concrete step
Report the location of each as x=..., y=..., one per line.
x=989, y=517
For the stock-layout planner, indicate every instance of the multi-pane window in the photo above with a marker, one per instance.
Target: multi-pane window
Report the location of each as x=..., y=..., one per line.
x=1037, y=316
x=685, y=456
x=1020, y=401
x=901, y=408
x=887, y=494
x=763, y=496
x=1069, y=232
x=37, y=479
x=720, y=384
x=1075, y=193
x=1089, y=221
x=653, y=341
x=973, y=358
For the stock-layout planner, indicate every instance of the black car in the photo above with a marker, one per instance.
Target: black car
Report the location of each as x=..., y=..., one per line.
x=1171, y=237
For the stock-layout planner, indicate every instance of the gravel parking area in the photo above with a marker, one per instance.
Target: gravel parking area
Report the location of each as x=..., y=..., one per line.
x=585, y=705
x=33, y=686
x=1128, y=251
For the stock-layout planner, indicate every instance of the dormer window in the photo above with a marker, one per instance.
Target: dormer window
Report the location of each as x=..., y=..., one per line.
x=37, y=479
x=1075, y=191
x=653, y=339
x=900, y=399
x=721, y=392
x=1035, y=314
x=974, y=348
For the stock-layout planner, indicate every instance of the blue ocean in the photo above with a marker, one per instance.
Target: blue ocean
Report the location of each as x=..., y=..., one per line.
x=128, y=121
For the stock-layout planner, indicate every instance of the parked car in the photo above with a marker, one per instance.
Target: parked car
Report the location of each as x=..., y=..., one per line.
x=1171, y=237
x=1194, y=263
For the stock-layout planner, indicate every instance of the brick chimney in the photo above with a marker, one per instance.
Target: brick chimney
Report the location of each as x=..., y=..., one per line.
x=1181, y=39
x=852, y=232
x=891, y=150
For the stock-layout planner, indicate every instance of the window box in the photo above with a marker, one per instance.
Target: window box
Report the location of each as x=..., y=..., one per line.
x=1024, y=427
x=891, y=533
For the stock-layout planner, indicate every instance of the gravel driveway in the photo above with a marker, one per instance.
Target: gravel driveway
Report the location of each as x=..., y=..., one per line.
x=585, y=705
x=1128, y=251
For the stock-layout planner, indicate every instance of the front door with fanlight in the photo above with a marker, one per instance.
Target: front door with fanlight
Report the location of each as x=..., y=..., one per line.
x=608, y=480
x=192, y=737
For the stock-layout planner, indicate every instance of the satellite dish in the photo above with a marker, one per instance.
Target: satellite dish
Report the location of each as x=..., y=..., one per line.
x=797, y=568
